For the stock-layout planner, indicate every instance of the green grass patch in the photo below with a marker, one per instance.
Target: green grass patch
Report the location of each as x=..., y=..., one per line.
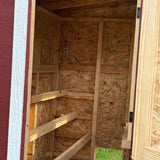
x=108, y=154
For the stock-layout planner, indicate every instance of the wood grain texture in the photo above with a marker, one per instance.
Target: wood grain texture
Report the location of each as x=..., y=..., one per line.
x=146, y=80
x=45, y=49
x=96, y=90
x=71, y=151
x=113, y=108
x=55, y=5
x=111, y=10
x=155, y=141
x=48, y=96
x=52, y=125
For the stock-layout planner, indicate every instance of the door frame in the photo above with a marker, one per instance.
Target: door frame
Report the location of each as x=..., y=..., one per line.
x=146, y=73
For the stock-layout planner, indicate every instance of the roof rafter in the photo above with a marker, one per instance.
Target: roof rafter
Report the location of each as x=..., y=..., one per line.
x=65, y=4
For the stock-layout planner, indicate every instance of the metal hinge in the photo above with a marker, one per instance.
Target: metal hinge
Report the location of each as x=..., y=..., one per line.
x=138, y=12
x=131, y=117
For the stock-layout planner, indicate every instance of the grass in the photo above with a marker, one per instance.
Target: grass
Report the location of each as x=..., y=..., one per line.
x=108, y=154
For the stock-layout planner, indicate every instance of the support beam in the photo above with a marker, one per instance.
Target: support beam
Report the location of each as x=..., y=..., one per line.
x=96, y=95
x=48, y=96
x=54, y=16
x=65, y=4
x=78, y=95
x=85, y=19
x=45, y=68
x=77, y=157
x=52, y=125
x=108, y=69
x=70, y=152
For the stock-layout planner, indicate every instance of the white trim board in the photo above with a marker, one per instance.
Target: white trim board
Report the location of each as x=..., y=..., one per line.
x=17, y=79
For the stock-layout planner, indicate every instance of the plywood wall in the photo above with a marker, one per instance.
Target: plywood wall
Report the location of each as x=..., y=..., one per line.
x=81, y=40
x=114, y=98
x=45, y=53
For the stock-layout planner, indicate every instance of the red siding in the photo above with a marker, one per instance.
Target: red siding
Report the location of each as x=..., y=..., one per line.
x=6, y=41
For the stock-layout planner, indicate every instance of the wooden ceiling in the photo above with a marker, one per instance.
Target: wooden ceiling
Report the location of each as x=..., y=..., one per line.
x=94, y=8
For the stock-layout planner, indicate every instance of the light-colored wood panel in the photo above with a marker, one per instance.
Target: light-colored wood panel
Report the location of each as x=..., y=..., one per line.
x=96, y=94
x=108, y=69
x=70, y=152
x=150, y=154
x=48, y=96
x=146, y=78
x=50, y=126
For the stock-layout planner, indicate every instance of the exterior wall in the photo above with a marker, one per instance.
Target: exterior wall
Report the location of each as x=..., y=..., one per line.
x=6, y=38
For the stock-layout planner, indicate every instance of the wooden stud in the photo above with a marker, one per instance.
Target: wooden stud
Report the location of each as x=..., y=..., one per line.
x=52, y=125
x=78, y=95
x=77, y=157
x=45, y=68
x=70, y=152
x=48, y=96
x=96, y=94
x=108, y=69
x=29, y=77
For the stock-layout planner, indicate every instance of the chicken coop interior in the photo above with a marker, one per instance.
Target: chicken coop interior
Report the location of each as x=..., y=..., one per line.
x=81, y=78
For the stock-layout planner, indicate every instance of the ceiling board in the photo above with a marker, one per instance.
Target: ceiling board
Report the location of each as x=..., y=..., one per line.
x=65, y=4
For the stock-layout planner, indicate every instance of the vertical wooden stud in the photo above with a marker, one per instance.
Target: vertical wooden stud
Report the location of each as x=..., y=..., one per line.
x=30, y=76
x=96, y=94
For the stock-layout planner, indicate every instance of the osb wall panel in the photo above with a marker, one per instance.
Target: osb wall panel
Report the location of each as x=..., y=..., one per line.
x=114, y=98
x=156, y=111
x=44, y=50
x=112, y=110
x=77, y=81
x=116, y=44
x=81, y=41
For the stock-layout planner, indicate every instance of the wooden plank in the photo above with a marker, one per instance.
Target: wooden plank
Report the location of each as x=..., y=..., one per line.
x=63, y=4
x=52, y=125
x=150, y=154
x=70, y=152
x=96, y=95
x=82, y=116
x=45, y=68
x=146, y=78
x=108, y=69
x=48, y=96
x=86, y=19
x=32, y=31
x=78, y=95
x=51, y=14
x=77, y=157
